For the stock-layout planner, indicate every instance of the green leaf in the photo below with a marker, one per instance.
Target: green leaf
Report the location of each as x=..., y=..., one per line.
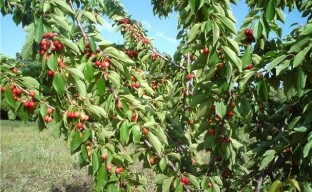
x=301, y=129
x=236, y=144
x=301, y=81
x=193, y=5
x=89, y=72
x=276, y=186
x=193, y=32
x=155, y=142
x=52, y=62
x=63, y=5
x=38, y=30
x=75, y=142
x=262, y=89
x=92, y=44
x=276, y=61
x=85, y=135
x=228, y=23
x=95, y=162
x=59, y=83
x=298, y=60
x=270, y=11
x=9, y=96
x=101, y=179
x=117, y=64
x=215, y=33
x=101, y=86
x=230, y=54
x=114, y=78
x=89, y=15
x=163, y=164
x=124, y=132
x=160, y=178
x=28, y=46
x=258, y=30
x=61, y=21
x=30, y=82
x=75, y=72
x=298, y=46
x=113, y=52
x=269, y=156
x=294, y=183
x=71, y=45
x=246, y=58
x=307, y=149
x=166, y=183
x=194, y=181
x=220, y=109
x=136, y=131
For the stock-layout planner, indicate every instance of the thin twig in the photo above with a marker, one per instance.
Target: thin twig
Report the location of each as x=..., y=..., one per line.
x=79, y=23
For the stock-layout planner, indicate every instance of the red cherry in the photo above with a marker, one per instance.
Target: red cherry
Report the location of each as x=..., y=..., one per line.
x=230, y=113
x=45, y=35
x=249, y=66
x=26, y=104
x=260, y=75
x=86, y=118
x=70, y=115
x=51, y=35
x=119, y=170
x=104, y=156
x=151, y=160
x=47, y=119
x=76, y=114
x=108, y=167
x=50, y=110
x=134, y=117
x=32, y=104
x=145, y=131
x=105, y=64
x=15, y=70
x=42, y=52
x=119, y=104
x=205, y=51
x=32, y=93
x=3, y=89
x=232, y=104
x=80, y=125
x=248, y=32
x=189, y=76
x=211, y=131
x=51, y=73
x=43, y=42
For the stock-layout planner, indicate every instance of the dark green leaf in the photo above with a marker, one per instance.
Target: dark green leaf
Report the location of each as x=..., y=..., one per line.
x=52, y=62
x=59, y=83
x=38, y=30
x=95, y=162
x=75, y=142
x=101, y=179
x=124, y=132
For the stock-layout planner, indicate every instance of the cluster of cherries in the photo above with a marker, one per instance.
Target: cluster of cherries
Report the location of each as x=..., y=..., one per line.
x=48, y=41
x=249, y=35
x=48, y=117
x=184, y=180
x=104, y=63
x=76, y=115
x=132, y=54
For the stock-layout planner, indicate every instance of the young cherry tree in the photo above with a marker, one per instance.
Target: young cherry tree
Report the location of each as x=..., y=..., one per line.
x=231, y=111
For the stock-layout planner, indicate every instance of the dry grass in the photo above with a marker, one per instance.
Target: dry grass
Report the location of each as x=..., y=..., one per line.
x=35, y=161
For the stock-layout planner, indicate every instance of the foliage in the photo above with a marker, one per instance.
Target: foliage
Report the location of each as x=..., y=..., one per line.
x=235, y=95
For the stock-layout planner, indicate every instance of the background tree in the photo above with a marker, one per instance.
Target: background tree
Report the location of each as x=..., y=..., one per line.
x=217, y=96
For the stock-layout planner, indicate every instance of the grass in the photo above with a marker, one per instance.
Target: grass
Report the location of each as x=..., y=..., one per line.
x=35, y=161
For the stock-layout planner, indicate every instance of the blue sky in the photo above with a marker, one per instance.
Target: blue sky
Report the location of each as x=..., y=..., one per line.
x=163, y=31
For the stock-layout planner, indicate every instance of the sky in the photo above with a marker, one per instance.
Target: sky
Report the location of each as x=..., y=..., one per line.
x=163, y=31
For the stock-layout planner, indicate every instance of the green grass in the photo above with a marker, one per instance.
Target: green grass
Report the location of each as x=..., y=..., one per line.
x=35, y=161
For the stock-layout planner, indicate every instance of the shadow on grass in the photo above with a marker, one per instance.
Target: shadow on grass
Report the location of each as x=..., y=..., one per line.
x=73, y=187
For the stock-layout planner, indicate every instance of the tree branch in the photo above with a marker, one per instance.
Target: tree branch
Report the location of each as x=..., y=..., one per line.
x=79, y=23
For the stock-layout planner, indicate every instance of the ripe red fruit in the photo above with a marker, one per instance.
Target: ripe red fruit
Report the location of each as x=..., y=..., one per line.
x=232, y=104
x=43, y=42
x=51, y=73
x=249, y=66
x=26, y=104
x=104, y=156
x=108, y=167
x=76, y=114
x=136, y=85
x=230, y=113
x=86, y=118
x=151, y=160
x=15, y=70
x=220, y=66
x=45, y=35
x=17, y=91
x=42, y=52
x=32, y=104
x=2, y=89
x=211, y=131
x=70, y=115
x=32, y=93
x=119, y=104
x=260, y=75
x=50, y=110
x=205, y=51
x=145, y=131
x=189, y=76
x=47, y=119
x=248, y=32
x=105, y=64
x=119, y=170
x=134, y=117
x=51, y=35
x=184, y=181
x=80, y=125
